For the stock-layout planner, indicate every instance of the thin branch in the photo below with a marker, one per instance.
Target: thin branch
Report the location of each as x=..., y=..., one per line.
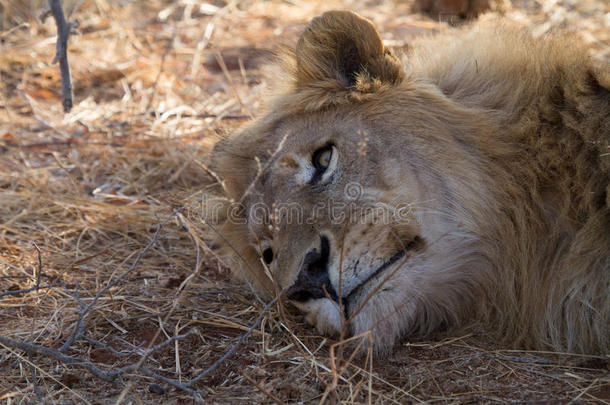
x=112, y=375
x=34, y=379
x=25, y=290
x=39, y=272
x=168, y=47
x=109, y=376
x=38, y=280
x=109, y=348
x=240, y=342
x=57, y=355
x=174, y=383
x=80, y=324
x=84, y=312
x=61, y=56
x=168, y=342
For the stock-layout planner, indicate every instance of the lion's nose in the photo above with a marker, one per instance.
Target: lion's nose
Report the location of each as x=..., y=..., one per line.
x=312, y=280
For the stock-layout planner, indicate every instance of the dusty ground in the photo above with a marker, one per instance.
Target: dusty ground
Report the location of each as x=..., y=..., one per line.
x=155, y=82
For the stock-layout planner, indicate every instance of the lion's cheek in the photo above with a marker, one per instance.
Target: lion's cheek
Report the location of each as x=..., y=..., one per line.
x=387, y=316
x=323, y=314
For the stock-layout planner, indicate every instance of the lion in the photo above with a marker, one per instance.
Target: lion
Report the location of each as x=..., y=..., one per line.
x=463, y=184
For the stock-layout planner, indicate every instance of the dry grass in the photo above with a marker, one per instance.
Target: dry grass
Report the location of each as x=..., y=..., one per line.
x=154, y=83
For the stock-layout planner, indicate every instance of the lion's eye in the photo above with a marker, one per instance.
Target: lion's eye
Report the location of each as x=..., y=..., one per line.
x=322, y=159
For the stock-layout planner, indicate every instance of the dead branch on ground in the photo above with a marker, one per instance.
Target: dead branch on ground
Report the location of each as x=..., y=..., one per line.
x=79, y=332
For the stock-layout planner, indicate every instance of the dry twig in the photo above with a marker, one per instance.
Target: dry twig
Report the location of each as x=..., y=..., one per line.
x=78, y=332
x=38, y=280
x=63, y=33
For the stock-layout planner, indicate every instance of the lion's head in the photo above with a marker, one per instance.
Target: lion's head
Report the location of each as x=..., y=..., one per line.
x=365, y=193
x=333, y=186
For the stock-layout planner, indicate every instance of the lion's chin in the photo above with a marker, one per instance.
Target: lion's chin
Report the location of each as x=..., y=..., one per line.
x=322, y=313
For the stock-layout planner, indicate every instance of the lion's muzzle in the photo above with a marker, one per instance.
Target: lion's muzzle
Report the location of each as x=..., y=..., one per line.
x=312, y=280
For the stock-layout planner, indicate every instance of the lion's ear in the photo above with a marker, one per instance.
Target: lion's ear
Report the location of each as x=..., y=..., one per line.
x=342, y=46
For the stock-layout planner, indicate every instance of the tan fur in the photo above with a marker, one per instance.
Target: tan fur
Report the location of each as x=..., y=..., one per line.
x=498, y=145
